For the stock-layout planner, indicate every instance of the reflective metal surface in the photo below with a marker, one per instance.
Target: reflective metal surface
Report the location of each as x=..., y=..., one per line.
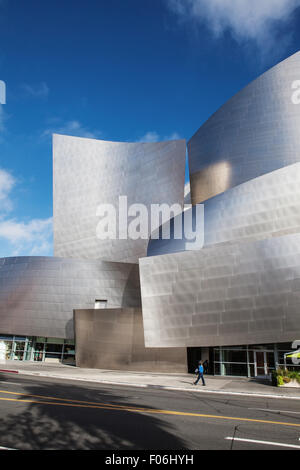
x=90, y=172
x=38, y=294
x=255, y=132
x=114, y=339
x=265, y=207
x=243, y=286
x=231, y=294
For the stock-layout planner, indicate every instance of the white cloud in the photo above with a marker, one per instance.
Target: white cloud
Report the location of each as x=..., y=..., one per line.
x=7, y=182
x=74, y=128
x=255, y=20
x=33, y=237
x=37, y=91
x=153, y=136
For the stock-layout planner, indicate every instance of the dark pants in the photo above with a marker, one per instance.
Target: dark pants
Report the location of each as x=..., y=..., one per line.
x=200, y=376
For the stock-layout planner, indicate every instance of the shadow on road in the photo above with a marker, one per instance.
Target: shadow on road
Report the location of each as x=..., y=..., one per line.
x=44, y=426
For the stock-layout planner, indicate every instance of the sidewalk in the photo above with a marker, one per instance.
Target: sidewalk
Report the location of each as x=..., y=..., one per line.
x=179, y=382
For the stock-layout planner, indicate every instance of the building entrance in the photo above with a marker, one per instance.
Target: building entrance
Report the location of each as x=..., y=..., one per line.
x=264, y=363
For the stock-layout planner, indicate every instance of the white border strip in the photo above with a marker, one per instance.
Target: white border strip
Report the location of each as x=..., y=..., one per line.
x=277, y=444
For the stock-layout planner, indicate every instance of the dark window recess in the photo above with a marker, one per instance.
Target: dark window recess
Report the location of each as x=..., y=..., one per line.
x=193, y=357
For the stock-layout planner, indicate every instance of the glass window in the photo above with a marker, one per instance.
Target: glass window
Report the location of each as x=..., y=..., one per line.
x=55, y=341
x=6, y=338
x=236, y=369
x=217, y=368
x=217, y=354
x=38, y=352
x=69, y=353
x=53, y=351
x=252, y=370
x=233, y=356
x=70, y=341
x=18, y=351
x=9, y=346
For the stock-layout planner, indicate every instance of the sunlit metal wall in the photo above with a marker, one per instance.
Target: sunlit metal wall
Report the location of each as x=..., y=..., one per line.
x=243, y=286
x=255, y=132
x=90, y=172
x=265, y=207
x=38, y=294
x=231, y=294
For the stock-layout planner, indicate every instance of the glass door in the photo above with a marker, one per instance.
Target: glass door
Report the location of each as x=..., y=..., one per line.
x=260, y=369
x=264, y=363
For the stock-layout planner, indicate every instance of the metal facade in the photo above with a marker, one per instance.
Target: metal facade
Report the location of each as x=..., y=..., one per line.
x=243, y=286
x=38, y=294
x=89, y=172
x=231, y=294
x=255, y=132
x=265, y=207
x=114, y=339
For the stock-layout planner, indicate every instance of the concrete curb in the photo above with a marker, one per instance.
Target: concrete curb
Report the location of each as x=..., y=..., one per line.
x=158, y=387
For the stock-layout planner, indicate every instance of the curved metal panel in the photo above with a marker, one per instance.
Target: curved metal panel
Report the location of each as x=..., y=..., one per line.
x=38, y=294
x=90, y=172
x=241, y=293
x=255, y=132
x=264, y=207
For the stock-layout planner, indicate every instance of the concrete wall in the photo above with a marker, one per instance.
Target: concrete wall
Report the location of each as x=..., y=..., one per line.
x=90, y=172
x=114, y=339
x=38, y=294
x=254, y=133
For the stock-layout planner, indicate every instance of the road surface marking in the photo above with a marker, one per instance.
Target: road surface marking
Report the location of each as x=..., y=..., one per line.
x=277, y=444
x=6, y=448
x=275, y=411
x=144, y=410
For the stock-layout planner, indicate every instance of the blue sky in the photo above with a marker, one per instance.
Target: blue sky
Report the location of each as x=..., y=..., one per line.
x=127, y=70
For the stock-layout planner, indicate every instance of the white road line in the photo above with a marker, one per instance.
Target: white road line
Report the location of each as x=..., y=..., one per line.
x=275, y=411
x=6, y=448
x=277, y=444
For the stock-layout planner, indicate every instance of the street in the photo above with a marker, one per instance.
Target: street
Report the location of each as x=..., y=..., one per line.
x=39, y=413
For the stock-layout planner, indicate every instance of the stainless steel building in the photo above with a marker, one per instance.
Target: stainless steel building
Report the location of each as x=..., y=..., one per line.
x=237, y=298
x=254, y=133
x=38, y=295
x=234, y=302
x=90, y=172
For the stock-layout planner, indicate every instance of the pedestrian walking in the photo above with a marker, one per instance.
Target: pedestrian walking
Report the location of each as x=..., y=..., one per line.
x=200, y=371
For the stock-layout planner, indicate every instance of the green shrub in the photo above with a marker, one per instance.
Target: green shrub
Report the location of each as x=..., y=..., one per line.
x=280, y=380
x=282, y=376
x=294, y=375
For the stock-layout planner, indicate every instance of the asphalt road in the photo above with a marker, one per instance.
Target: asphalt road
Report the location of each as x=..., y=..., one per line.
x=43, y=414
